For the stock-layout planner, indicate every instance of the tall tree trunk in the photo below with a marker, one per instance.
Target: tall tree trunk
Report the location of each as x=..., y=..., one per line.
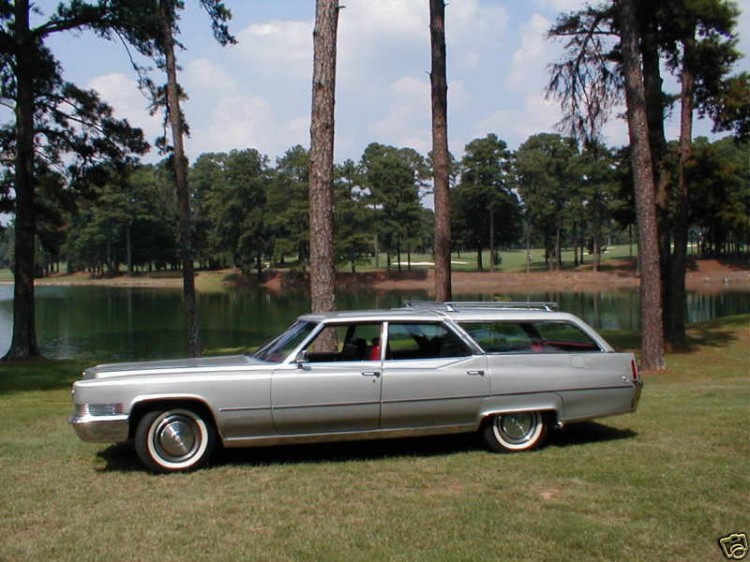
x=528, y=243
x=23, y=344
x=181, y=180
x=440, y=154
x=322, y=265
x=493, y=249
x=129, y=247
x=678, y=294
x=658, y=142
x=652, y=337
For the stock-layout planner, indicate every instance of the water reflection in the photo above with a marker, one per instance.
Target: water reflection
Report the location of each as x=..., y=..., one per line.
x=113, y=323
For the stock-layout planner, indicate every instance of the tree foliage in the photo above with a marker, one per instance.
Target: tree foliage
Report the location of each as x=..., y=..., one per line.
x=486, y=209
x=56, y=127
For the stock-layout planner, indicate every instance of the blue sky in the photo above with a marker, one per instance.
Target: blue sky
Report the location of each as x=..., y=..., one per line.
x=256, y=94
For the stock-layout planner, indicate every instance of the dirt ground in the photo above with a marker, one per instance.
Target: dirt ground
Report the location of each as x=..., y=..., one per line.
x=707, y=275
x=704, y=275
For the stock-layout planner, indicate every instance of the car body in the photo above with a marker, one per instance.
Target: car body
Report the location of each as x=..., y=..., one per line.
x=509, y=370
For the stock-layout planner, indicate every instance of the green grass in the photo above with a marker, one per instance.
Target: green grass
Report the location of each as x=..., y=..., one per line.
x=661, y=484
x=511, y=260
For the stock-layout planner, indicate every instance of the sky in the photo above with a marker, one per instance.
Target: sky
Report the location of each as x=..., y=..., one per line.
x=257, y=93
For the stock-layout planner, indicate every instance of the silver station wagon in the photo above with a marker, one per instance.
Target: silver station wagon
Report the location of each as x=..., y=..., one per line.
x=506, y=370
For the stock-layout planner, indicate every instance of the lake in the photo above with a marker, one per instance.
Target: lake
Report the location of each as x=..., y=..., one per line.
x=119, y=324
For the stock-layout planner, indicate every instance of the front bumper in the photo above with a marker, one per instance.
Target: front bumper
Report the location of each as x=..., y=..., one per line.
x=101, y=429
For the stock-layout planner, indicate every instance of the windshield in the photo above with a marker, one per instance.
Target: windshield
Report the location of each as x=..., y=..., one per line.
x=279, y=348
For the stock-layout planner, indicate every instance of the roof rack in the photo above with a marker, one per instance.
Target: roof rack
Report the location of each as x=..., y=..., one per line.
x=456, y=306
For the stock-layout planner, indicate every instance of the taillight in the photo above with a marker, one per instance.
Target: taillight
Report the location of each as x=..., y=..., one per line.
x=634, y=369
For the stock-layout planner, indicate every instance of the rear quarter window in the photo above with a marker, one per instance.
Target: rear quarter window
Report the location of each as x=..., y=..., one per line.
x=530, y=337
x=564, y=337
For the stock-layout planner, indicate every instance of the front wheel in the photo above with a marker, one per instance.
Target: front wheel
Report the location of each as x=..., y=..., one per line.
x=174, y=440
x=516, y=431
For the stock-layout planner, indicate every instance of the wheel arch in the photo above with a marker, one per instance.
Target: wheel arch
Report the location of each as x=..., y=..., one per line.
x=151, y=403
x=550, y=405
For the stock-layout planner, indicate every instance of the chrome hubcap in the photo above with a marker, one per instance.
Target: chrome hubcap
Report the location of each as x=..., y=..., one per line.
x=517, y=428
x=176, y=437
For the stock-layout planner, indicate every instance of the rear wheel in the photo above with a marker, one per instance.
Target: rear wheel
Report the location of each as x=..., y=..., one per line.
x=174, y=440
x=515, y=431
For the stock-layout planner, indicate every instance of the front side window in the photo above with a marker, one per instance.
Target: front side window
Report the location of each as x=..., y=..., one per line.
x=345, y=342
x=423, y=341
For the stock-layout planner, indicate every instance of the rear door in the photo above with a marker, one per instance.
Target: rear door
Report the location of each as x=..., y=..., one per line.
x=532, y=357
x=431, y=378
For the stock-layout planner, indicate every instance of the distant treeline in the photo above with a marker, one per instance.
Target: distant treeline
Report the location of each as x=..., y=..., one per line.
x=253, y=214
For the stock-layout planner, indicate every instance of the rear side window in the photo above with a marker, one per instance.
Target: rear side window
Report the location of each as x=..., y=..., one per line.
x=564, y=337
x=423, y=341
x=530, y=337
x=500, y=337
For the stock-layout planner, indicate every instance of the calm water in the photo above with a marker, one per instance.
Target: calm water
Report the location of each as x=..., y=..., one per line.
x=111, y=323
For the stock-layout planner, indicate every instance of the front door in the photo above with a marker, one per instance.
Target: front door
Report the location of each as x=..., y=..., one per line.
x=336, y=385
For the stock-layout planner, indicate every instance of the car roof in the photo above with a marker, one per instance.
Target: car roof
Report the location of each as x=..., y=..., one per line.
x=459, y=311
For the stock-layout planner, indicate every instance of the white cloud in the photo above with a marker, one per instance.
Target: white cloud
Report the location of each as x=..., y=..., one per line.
x=459, y=95
x=122, y=93
x=278, y=46
x=531, y=59
x=207, y=75
x=383, y=20
x=538, y=115
x=242, y=121
x=743, y=31
x=407, y=119
x=561, y=5
x=407, y=116
x=380, y=35
x=473, y=30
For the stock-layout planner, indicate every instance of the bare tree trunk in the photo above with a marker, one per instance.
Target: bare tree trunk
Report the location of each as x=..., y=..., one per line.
x=652, y=337
x=493, y=249
x=440, y=154
x=23, y=344
x=129, y=247
x=678, y=295
x=658, y=142
x=322, y=265
x=528, y=243
x=180, y=172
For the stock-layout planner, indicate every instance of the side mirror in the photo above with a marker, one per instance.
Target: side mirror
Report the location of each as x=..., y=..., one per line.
x=301, y=359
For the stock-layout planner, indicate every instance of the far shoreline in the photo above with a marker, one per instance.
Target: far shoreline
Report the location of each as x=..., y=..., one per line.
x=707, y=276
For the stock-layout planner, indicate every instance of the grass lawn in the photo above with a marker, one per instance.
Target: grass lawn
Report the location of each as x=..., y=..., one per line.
x=511, y=260
x=662, y=484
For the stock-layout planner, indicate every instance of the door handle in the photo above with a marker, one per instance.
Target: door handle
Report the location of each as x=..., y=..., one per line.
x=370, y=373
x=476, y=373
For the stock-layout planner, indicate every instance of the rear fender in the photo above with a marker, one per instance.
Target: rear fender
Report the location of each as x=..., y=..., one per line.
x=541, y=402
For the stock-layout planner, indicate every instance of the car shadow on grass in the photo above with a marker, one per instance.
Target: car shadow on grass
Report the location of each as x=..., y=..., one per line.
x=445, y=445
x=122, y=457
x=345, y=451
x=585, y=433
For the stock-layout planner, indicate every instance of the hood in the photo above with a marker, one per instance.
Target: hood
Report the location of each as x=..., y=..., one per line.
x=168, y=366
